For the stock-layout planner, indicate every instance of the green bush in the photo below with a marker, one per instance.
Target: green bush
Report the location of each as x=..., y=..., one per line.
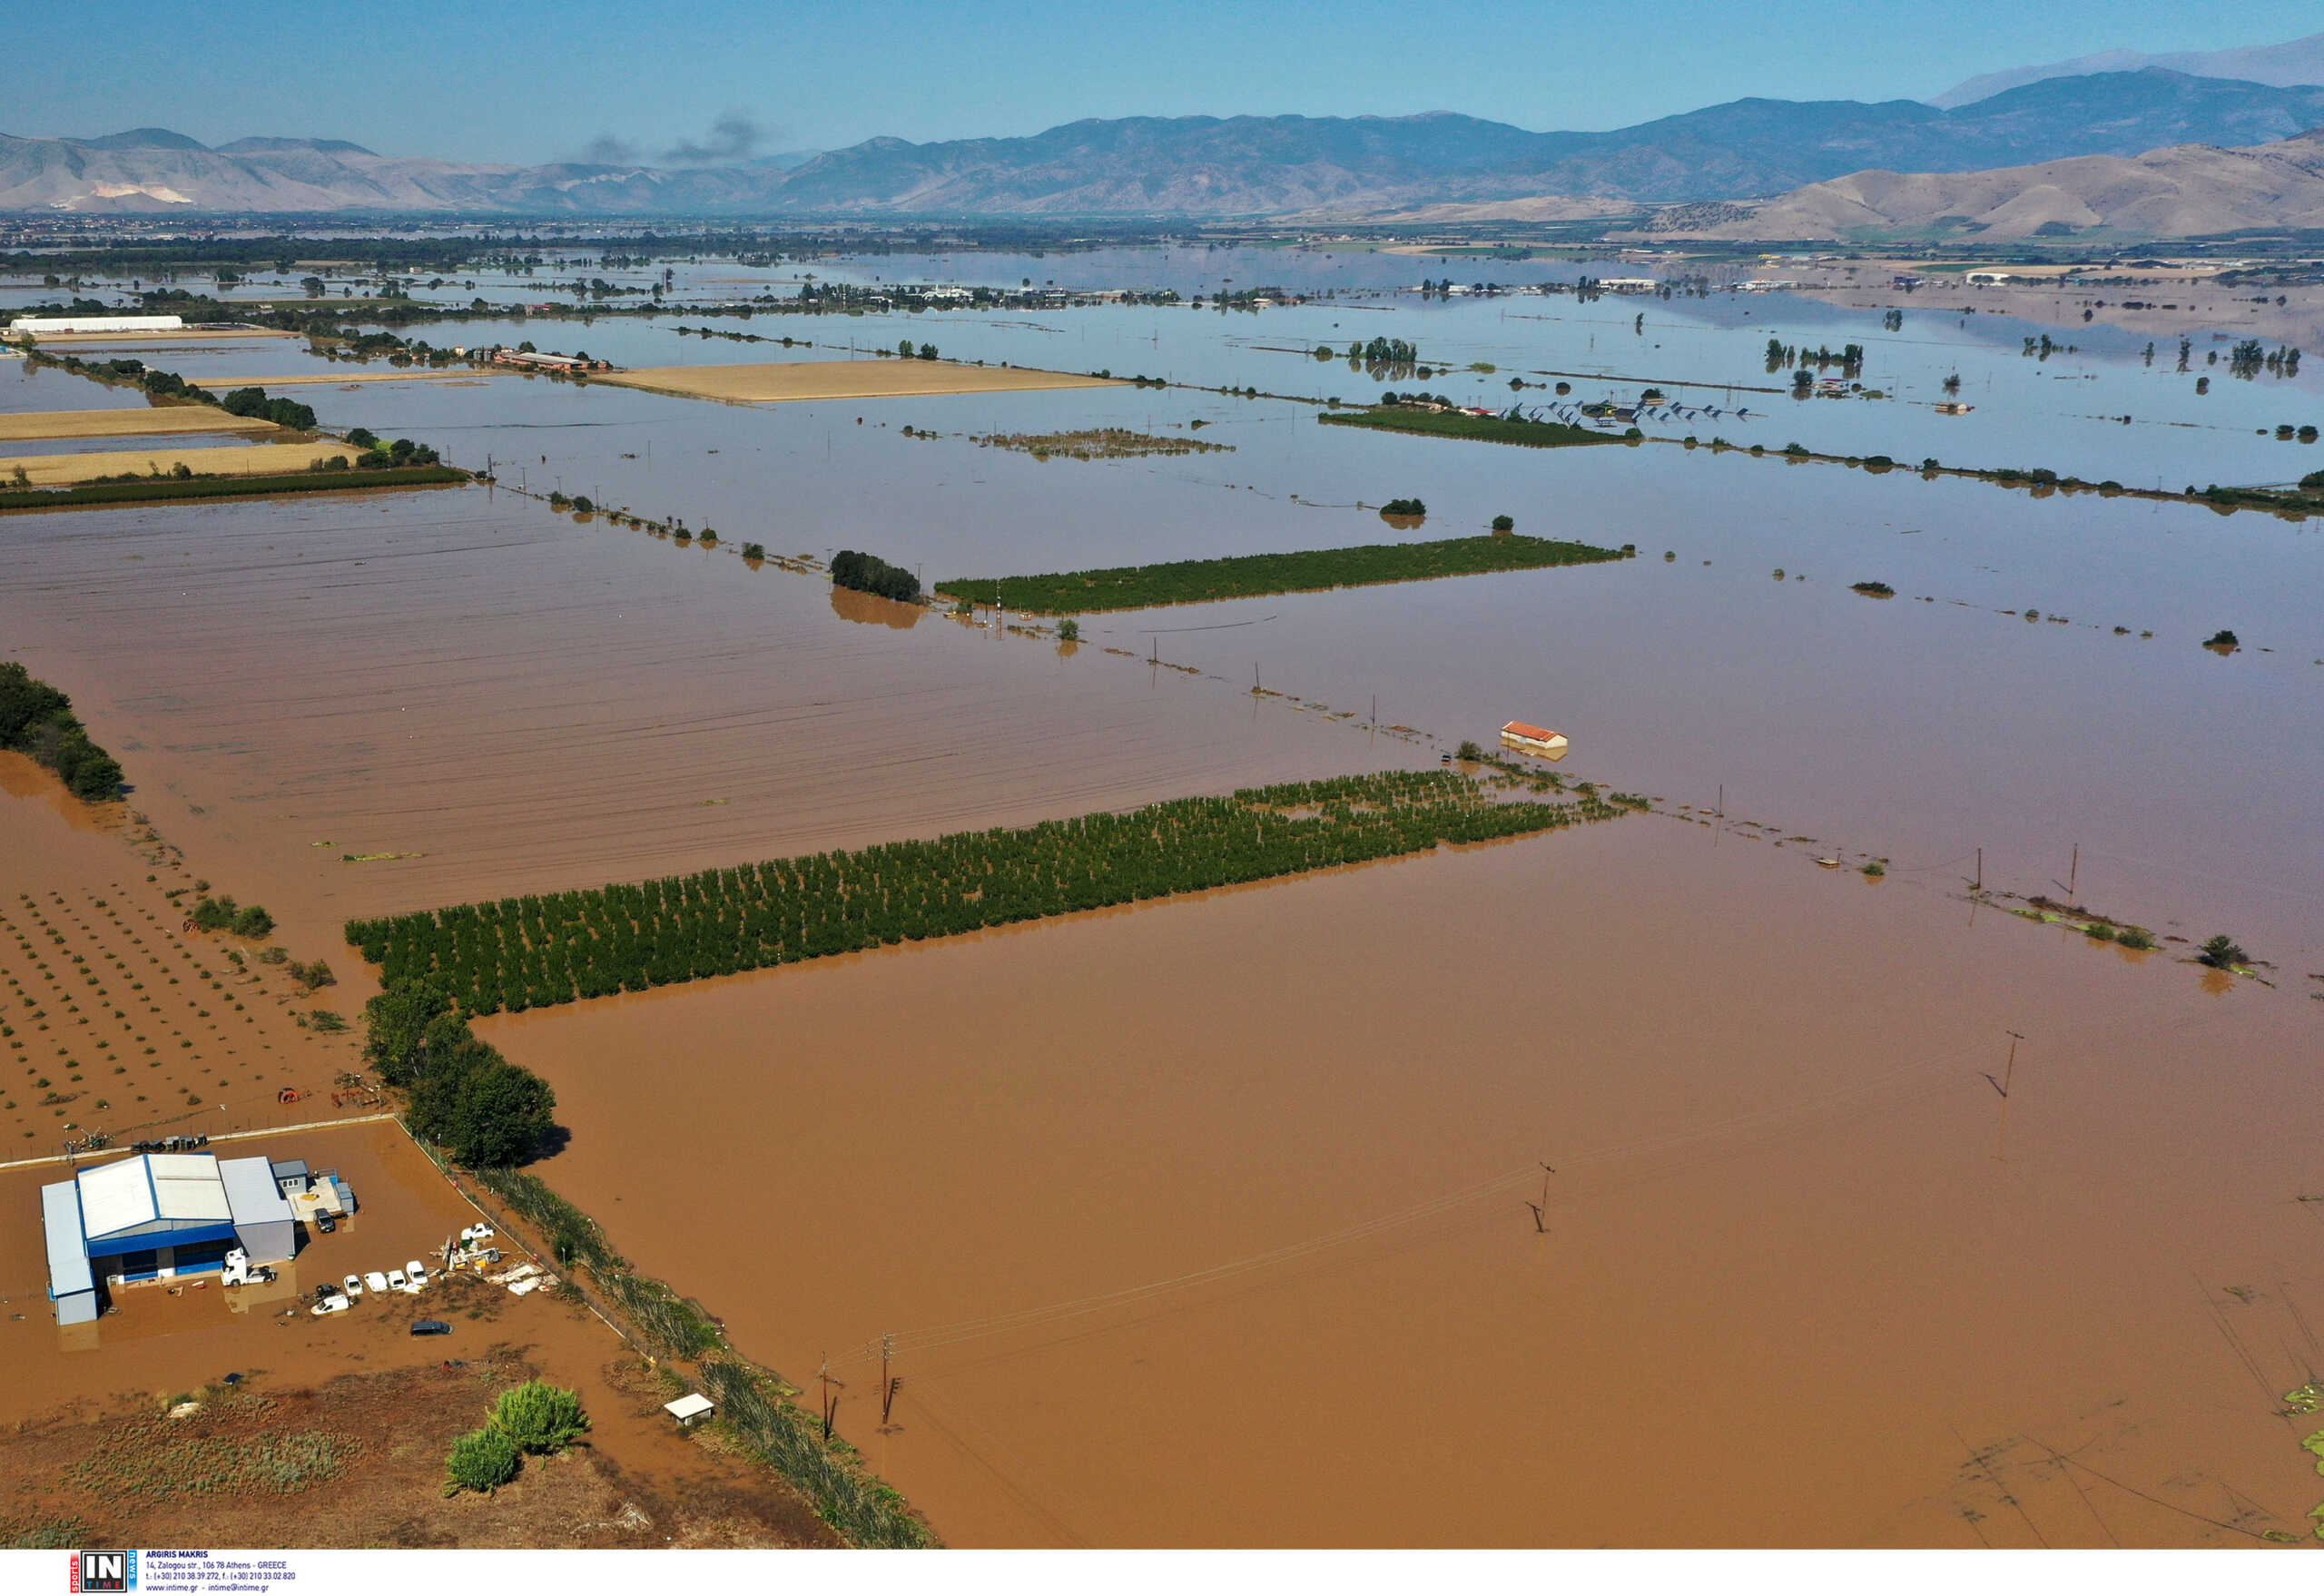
x=2222, y=952
x=481, y=1460
x=1069, y=630
x=254, y=923
x=539, y=1418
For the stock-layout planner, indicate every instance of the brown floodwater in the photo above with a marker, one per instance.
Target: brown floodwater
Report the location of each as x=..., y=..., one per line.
x=1800, y=1284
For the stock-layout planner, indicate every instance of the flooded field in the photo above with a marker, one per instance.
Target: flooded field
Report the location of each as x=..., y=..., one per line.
x=1177, y=1211
x=1207, y=1222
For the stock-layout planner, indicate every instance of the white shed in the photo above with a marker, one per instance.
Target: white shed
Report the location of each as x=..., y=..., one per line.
x=689, y=1408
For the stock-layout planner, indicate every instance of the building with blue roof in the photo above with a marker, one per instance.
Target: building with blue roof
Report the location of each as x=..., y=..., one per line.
x=155, y=1216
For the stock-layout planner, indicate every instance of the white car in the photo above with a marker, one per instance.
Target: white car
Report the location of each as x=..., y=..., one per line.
x=352, y=1286
x=376, y=1281
x=475, y=1233
x=415, y=1273
x=330, y=1304
x=396, y=1282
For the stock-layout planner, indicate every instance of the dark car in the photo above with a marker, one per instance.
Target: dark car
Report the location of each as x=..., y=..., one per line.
x=326, y=1224
x=430, y=1327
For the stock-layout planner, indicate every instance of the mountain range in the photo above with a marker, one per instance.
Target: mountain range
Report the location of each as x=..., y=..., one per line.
x=2296, y=61
x=2189, y=191
x=1196, y=166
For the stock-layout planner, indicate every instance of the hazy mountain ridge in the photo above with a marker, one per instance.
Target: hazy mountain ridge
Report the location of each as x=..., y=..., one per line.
x=1195, y=165
x=2296, y=61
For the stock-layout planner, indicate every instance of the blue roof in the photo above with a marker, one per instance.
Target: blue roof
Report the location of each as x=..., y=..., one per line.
x=68, y=1266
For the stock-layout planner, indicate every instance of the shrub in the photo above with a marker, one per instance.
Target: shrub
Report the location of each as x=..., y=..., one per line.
x=1504, y=523
x=2098, y=933
x=1404, y=506
x=2222, y=638
x=1875, y=869
x=2131, y=936
x=754, y=551
x=481, y=1460
x=1873, y=589
x=1069, y=630
x=254, y=923
x=2222, y=952
x=537, y=1417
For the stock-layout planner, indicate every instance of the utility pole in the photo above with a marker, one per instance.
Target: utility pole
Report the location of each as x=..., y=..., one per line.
x=2073, y=872
x=888, y=1385
x=1979, y=885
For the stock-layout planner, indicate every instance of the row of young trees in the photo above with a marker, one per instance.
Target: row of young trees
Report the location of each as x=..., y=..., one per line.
x=38, y=720
x=527, y=952
x=1250, y=575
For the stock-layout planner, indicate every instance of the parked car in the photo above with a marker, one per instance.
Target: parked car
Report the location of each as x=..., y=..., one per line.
x=326, y=1224
x=330, y=1304
x=325, y=1290
x=430, y=1327
x=352, y=1286
x=475, y=1233
x=415, y=1273
x=375, y=1281
x=396, y=1282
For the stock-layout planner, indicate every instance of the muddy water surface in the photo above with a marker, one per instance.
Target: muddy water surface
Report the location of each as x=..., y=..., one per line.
x=1799, y=1275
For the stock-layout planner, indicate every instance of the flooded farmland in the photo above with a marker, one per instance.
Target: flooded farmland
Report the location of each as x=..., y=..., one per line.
x=1215, y=1220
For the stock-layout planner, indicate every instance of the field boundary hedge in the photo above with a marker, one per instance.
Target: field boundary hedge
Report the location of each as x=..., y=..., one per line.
x=1461, y=424
x=166, y=488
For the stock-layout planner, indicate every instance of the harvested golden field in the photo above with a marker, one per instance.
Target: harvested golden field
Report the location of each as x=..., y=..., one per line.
x=130, y=423
x=256, y=459
x=795, y=380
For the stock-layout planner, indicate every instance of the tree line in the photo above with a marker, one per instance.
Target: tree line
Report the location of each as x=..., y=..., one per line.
x=528, y=952
x=37, y=719
x=868, y=573
x=464, y=1096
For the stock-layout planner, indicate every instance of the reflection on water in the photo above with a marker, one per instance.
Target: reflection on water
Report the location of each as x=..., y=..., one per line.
x=872, y=610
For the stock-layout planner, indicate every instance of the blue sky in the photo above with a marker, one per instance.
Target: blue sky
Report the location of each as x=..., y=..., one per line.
x=478, y=82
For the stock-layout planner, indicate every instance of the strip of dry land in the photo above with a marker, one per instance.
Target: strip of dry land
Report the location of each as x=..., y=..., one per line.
x=166, y=335
x=255, y=459
x=794, y=380
x=458, y=373
x=155, y=422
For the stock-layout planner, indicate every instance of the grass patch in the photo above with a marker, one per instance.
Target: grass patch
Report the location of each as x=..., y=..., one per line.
x=1460, y=424
x=1249, y=575
x=175, y=488
x=160, y=1459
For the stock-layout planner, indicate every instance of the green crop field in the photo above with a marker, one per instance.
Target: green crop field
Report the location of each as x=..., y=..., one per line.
x=528, y=952
x=1249, y=575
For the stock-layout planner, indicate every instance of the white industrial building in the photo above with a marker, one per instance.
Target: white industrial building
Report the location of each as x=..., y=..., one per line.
x=156, y=1216
x=41, y=326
